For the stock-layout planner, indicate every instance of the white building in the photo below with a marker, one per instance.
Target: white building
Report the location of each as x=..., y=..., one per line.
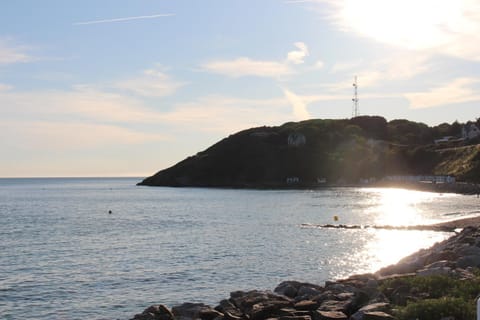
x=296, y=139
x=470, y=131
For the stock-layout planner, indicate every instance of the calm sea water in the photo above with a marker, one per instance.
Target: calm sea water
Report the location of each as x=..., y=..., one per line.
x=63, y=256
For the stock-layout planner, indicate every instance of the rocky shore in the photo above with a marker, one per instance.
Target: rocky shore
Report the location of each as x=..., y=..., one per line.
x=360, y=297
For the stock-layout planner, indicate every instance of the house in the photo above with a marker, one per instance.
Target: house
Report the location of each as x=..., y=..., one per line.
x=293, y=180
x=470, y=131
x=296, y=139
x=421, y=179
x=443, y=140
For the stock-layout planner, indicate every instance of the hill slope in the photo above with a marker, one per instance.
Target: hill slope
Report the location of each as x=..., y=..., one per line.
x=338, y=151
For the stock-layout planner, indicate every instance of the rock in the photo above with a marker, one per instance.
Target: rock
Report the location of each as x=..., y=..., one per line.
x=288, y=288
x=306, y=317
x=377, y=315
x=468, y=261
x=306, y=305
x=230, y=312
x=308, y=291
x=195, y=311
x=331, y=315
x=434, y=272
x=334, y=305
x=258, y=305
x=155, y=312
x=469, y=251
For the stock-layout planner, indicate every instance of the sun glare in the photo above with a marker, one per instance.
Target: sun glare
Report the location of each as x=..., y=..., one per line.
x=409, y=23
x=398, y=207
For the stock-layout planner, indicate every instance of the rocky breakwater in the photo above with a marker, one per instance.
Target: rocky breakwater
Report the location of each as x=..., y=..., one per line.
x=359, y=297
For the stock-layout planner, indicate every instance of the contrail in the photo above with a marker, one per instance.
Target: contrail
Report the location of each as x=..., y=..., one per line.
x=124, y=19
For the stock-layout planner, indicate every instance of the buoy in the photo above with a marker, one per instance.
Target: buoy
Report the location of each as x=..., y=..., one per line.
x=109, y=211
x=335, y=218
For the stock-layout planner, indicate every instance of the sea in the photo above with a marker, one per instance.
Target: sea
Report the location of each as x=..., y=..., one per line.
x=104, y=248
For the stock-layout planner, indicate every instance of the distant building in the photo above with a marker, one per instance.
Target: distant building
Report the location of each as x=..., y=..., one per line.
x=424, y=179
x=293, y=180
x=470, y=131
x=444, y=140
x=296, y=139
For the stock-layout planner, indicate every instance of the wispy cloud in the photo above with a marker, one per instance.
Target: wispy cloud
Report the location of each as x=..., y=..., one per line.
x=299, y=105
x=224, y=115
x=298, y=56
x=244, y=66
x=457, y=91
x=241, y=67
x=50, y=135
x=5, y=87
x=153, y=83
x=11, y=53
x=81, y=102
x=124, y=19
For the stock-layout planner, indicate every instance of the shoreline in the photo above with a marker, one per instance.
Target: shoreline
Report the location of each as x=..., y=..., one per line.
x=376, y=295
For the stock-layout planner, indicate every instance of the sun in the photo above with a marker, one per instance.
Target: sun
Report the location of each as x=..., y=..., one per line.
x=411, y=24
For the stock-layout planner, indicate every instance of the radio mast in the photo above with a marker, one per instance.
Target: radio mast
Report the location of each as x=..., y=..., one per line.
x=355, y=110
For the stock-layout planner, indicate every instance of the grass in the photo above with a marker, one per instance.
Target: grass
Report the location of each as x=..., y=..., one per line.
x=433, y=297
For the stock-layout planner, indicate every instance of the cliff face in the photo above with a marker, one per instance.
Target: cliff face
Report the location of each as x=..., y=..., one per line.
x=336, y=151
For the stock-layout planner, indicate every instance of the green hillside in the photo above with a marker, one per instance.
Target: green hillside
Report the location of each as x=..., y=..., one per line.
x=336, y=151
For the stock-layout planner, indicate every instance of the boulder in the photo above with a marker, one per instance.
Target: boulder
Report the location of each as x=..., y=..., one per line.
x=230, y=311
x=258, y=305
x=155, y=312
x=195, y=311
x=331, y=315
x=468, y=261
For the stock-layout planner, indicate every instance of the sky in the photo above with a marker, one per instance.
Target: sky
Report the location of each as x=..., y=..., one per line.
x=128, y=87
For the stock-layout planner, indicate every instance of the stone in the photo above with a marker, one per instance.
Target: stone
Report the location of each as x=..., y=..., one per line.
x=155, y=312
x=381, y=306
x=288, y=288
x=309, y=291
x=441, y=271
x=331, y=315
x=230, y=312
x=195, y=311
x=377, y=315
x=334, y=305
x=257, y=305
x=306, y=305
x=468, y=261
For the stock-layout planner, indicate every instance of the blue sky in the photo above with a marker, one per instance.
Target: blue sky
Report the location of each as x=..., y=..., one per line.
x=125, y=88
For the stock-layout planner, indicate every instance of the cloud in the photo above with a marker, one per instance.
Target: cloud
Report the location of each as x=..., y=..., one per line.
x=458, y=91
x=153, y=83
x=401, y=66
x=154, y=16
x=11, y=53
x=80, y=102
x=298, y=56
x=225, y=115
x=243, y=66
x=319, y=64
x=5, y=87
x=299, y=105
x=57, y=136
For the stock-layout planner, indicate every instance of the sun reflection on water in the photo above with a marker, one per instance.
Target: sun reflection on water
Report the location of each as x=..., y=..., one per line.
x=399, y=207
x=396, y=207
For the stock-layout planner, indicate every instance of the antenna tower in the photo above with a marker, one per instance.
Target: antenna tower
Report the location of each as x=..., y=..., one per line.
x=355, y=110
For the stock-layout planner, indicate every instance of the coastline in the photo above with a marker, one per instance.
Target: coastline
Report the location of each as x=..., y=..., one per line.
x=360, y=297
